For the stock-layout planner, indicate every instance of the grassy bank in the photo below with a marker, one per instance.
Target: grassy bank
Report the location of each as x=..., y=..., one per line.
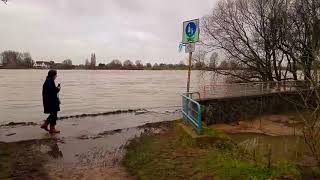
x=175, y=155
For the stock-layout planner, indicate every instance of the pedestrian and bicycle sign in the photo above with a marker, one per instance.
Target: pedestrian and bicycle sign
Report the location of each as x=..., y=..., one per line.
x=190, y=35
x=190, y=31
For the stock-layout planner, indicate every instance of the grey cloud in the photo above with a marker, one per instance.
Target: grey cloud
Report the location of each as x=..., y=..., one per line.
x=125, y=29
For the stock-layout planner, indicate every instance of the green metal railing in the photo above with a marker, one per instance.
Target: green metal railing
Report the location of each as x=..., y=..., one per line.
x=191, y=111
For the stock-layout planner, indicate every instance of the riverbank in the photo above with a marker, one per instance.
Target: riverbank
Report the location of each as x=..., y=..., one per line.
x=87, y=148
x=270, y=147
x=155, y=149
x=174, y=155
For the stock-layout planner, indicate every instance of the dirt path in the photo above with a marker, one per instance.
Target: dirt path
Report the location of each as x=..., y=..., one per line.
x=103, y=173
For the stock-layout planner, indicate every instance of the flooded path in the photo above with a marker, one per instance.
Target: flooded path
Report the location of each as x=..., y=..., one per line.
x=87, y=148
x=88, y=126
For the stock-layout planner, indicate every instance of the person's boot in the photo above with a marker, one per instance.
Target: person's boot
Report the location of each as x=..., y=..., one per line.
x=53, y=130
x=45, y=125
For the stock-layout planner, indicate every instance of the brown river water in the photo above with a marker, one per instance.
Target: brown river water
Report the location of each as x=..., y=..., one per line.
x=85, y=91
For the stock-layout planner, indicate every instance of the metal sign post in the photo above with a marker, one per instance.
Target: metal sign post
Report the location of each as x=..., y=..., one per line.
x=189, y=37
x=189, y=72
x=190, y=47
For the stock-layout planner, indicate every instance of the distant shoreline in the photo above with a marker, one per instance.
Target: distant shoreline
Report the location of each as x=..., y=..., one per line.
x=101, y=69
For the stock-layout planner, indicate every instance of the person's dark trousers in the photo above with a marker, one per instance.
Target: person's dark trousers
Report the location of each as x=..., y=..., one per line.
x=52, y=119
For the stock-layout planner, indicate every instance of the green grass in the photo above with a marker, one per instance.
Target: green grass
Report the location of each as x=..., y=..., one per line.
x=174, y=155
x=228, y=166
x=215, y=133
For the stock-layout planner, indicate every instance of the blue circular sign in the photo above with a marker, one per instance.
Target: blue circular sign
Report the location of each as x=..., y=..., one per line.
x=191, y=29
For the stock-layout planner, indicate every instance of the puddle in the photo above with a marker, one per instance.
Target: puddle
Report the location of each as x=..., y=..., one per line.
x=105, y=148
x=282, y=148
x=104, y=152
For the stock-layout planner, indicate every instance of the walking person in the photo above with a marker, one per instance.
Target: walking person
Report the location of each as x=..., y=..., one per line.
x=51, y=102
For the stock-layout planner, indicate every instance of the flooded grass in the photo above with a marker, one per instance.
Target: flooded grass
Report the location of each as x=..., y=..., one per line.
x=280, y=148
x=173, y=155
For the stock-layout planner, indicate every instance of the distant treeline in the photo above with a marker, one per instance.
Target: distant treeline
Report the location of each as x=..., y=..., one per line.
x=138, y=65
x=15, y=60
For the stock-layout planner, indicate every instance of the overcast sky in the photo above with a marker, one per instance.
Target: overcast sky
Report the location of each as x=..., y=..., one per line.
x=147, y=30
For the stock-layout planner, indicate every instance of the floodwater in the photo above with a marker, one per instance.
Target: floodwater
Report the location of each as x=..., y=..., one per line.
x=85, y=91
x=281, y=148
x=90, y=127
x=87, y=148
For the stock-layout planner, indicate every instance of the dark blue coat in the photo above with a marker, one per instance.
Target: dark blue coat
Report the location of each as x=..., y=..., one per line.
x=51, y=102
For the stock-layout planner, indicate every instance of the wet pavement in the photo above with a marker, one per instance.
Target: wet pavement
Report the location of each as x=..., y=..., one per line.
x=87, y=126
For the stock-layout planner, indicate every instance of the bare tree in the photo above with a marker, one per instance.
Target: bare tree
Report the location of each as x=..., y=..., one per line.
x=27, y=60
x=214, y=59
x=271, y=40
x=139, y=65
x=115, y=64
x=13, y=59
x=67, y=62
x=199, y=58
x=148, y=65
x=304, y=34
x=87, y=63
x=127, y=64
x=248, y=33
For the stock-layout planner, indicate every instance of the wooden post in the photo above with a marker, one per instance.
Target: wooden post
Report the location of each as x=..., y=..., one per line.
x=189, y=72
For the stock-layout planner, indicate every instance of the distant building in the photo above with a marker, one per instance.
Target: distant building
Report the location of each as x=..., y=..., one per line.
x=93, y=60
x=43, y=64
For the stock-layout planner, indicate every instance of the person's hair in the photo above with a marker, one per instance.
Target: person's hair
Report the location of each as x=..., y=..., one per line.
x=52, y=73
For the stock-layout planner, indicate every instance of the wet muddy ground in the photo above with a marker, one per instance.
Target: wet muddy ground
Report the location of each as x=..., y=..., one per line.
x=271, y=125
x=87, y=148
x=277, y=135
x=93, y=147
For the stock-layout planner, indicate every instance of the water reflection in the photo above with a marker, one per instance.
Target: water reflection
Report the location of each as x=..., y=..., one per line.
x=282, y=148
x=54, y=151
